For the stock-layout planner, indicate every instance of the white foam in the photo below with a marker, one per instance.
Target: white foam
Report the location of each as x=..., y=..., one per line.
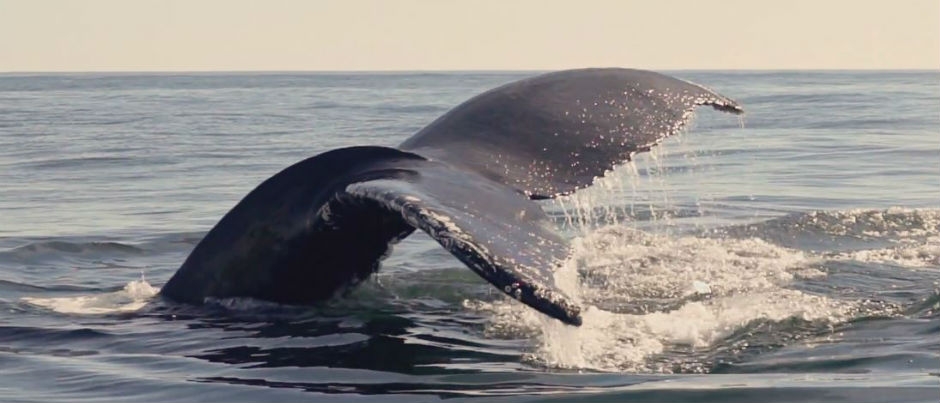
x=895, y=222
x=912, y=254
x=659, y=291
x=915, y=233
x=241, y=303
x=132, y=297
x=626, y=342
x=624, y=262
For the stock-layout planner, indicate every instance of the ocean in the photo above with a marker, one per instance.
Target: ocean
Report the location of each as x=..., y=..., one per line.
x=789, y=255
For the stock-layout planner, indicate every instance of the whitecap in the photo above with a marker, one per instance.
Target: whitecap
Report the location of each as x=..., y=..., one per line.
x=132, y=297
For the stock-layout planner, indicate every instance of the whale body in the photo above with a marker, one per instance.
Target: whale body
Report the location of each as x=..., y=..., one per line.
x=468, y=179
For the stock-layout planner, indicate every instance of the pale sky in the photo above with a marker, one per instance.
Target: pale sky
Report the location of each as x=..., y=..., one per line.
x=281, y=35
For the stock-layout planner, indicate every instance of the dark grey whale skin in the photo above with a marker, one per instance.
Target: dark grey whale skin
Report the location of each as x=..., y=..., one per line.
x=324, y=224
x=555, y=133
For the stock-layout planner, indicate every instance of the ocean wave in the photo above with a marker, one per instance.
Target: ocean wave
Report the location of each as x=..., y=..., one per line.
x=893, y=223
x=7, y=285
x=69, y=248
x=907, y=253
x=897, y=236
x=38, y=335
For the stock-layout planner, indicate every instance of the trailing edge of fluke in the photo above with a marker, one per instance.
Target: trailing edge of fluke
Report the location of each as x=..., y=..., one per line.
x=468, y=179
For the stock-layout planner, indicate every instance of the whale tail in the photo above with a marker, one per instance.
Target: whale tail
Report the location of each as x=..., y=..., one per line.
x=323, y=225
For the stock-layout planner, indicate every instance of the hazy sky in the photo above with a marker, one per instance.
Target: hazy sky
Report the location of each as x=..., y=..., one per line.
x=191, y=35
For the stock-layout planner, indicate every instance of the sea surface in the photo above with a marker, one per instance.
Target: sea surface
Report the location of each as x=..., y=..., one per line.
x=792, y=255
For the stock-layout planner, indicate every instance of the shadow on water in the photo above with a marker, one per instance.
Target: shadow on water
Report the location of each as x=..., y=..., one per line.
x=380, y=344
x=370, y=330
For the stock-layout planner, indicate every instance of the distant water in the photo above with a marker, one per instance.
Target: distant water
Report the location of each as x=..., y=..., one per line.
x=792, y=255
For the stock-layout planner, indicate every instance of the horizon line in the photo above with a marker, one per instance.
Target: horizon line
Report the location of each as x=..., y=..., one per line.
x=401, y=71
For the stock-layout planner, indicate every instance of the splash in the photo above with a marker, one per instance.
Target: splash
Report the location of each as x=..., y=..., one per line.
x=603, y=202
x=648, y=294
x=658, y=302
x=651, y=292
x=132, y=297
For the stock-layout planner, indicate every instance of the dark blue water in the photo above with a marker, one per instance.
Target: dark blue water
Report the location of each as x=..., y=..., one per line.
x=793, y=255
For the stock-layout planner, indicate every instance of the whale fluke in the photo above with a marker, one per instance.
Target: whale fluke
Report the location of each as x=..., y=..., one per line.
x=324, y=224
x=555, y=133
